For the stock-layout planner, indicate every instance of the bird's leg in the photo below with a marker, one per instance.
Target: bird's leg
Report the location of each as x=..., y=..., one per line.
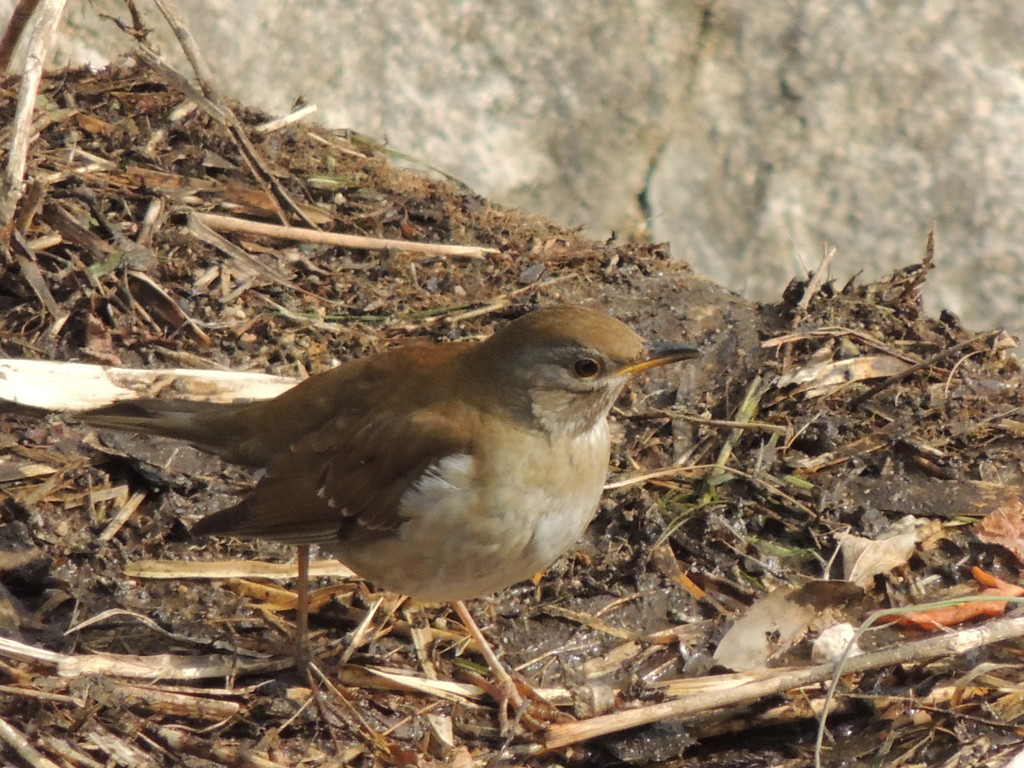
x=302, y=651
x=518, y=695
x=506, y=690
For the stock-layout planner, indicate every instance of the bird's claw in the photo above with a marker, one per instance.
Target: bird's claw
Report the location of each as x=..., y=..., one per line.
x=519, y=703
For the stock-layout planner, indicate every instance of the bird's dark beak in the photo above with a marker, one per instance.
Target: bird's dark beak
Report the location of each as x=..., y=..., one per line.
x=660, y=353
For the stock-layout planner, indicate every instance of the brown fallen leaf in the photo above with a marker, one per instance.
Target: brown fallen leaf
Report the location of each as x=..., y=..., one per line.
x=952, y=615
x=1004, y=527
x=779, y=620
x=823, y=376
x=864, y=558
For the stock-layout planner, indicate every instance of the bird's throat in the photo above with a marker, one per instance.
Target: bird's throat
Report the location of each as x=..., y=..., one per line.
x=571, y=414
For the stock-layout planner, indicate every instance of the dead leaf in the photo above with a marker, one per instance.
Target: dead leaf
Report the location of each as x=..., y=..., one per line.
x=159, y=302
x=819, y=378
x=93, y=124
x=864, y=558
x=952, y=615
x=778, y=621
x=98, y=343
x=1005, y=527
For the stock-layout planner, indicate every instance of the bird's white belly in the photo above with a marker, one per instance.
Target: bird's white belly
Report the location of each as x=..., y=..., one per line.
x=523, y=519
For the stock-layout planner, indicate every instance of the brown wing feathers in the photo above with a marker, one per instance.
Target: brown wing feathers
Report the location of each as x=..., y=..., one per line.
x=342, y=481
x=339, y=449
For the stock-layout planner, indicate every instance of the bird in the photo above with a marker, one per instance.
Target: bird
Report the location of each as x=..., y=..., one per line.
x=441, y=471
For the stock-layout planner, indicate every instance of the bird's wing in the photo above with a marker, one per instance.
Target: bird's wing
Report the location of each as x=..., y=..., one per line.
x=346, y=480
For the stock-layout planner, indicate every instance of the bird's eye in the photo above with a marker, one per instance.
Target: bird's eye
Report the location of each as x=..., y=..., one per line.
x=586, y=367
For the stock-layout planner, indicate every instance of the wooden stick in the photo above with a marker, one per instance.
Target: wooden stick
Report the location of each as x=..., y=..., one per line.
x=301, y=234
x=48, y=17
x=958, y=643
x=17, y=741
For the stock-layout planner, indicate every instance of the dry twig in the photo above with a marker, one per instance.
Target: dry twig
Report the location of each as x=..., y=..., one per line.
x=302, y=235
x=781, y=680
x=48, y=17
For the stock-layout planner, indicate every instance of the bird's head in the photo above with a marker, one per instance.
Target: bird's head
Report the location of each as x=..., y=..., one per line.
x=563, y=367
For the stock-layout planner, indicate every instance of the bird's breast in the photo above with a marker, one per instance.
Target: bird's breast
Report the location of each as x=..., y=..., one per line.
x=477, y=522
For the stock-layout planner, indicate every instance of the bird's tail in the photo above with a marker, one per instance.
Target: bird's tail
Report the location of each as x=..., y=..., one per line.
x=205, y=425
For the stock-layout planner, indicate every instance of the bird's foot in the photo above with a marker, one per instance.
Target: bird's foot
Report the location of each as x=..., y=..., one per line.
x=513, y=694
x=519, y=703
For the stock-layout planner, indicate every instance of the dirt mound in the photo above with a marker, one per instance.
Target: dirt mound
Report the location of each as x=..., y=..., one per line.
x=150, y=236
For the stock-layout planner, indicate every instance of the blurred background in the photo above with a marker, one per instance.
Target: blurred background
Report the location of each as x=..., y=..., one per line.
x=748, y=135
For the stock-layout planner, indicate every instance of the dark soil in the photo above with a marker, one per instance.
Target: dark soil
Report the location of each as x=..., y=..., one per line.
x=116, y=171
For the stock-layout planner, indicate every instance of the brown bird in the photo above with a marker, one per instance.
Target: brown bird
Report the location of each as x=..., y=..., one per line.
x=440, y=471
